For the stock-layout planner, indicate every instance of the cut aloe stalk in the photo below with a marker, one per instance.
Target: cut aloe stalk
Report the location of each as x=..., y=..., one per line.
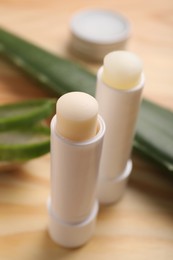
x=21, y=145
x=152, y=153
x=153, y=135
x=57, y=74
x=25, y=114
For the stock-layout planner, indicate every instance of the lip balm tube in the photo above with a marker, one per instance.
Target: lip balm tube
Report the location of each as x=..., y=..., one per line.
x=119, y=86
x=77, y=133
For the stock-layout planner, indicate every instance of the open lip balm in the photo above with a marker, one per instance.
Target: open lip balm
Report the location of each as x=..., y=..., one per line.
x=119, y=86
x=96, y=32
x=76, y=141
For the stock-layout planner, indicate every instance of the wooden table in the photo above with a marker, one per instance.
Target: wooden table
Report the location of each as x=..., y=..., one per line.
x=140, y=226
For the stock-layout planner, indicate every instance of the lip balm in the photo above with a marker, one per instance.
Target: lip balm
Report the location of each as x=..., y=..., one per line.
x=77, y=133
x=119, y=86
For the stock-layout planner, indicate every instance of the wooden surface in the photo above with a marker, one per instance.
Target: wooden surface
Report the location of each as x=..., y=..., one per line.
x=140, y=226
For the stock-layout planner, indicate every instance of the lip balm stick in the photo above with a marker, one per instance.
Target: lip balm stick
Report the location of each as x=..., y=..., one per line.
x=76, y=140
x=119, y=85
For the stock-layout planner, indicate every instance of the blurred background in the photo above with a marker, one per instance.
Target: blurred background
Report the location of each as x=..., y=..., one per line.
x=46, y=23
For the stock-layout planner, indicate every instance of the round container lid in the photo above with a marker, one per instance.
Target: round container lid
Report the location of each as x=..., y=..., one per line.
x=96, y=32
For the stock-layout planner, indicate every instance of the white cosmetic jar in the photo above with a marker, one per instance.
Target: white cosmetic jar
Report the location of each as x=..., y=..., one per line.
x=96, y=32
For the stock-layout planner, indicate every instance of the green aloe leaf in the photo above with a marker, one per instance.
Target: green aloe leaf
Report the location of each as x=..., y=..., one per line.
x=22, y=144
x=154, y=128
x=25, y=114
x=57, y=74
x=154, y=133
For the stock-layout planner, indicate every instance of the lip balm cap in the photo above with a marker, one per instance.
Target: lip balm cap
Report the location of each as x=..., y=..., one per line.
x=96, y=32
x=111, y=190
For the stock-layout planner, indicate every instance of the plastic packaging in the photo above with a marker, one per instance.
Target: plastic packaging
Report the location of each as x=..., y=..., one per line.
x=73, y=205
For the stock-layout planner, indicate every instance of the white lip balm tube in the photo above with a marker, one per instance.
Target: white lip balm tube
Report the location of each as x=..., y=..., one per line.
x=119, y=86
x=77, y=133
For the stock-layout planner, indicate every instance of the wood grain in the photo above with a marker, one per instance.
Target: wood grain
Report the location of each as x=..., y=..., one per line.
x=140, y=226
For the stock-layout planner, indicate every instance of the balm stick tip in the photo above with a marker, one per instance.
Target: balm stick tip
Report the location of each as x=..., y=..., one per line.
x=77, y=116
x=122, y=70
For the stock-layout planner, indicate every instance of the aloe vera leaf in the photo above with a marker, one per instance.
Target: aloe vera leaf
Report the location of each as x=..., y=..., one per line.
x=58, y=74
x=21, y=145
x=62, y=76
x=25, y=114
x=153, y=154
x=154, y=133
